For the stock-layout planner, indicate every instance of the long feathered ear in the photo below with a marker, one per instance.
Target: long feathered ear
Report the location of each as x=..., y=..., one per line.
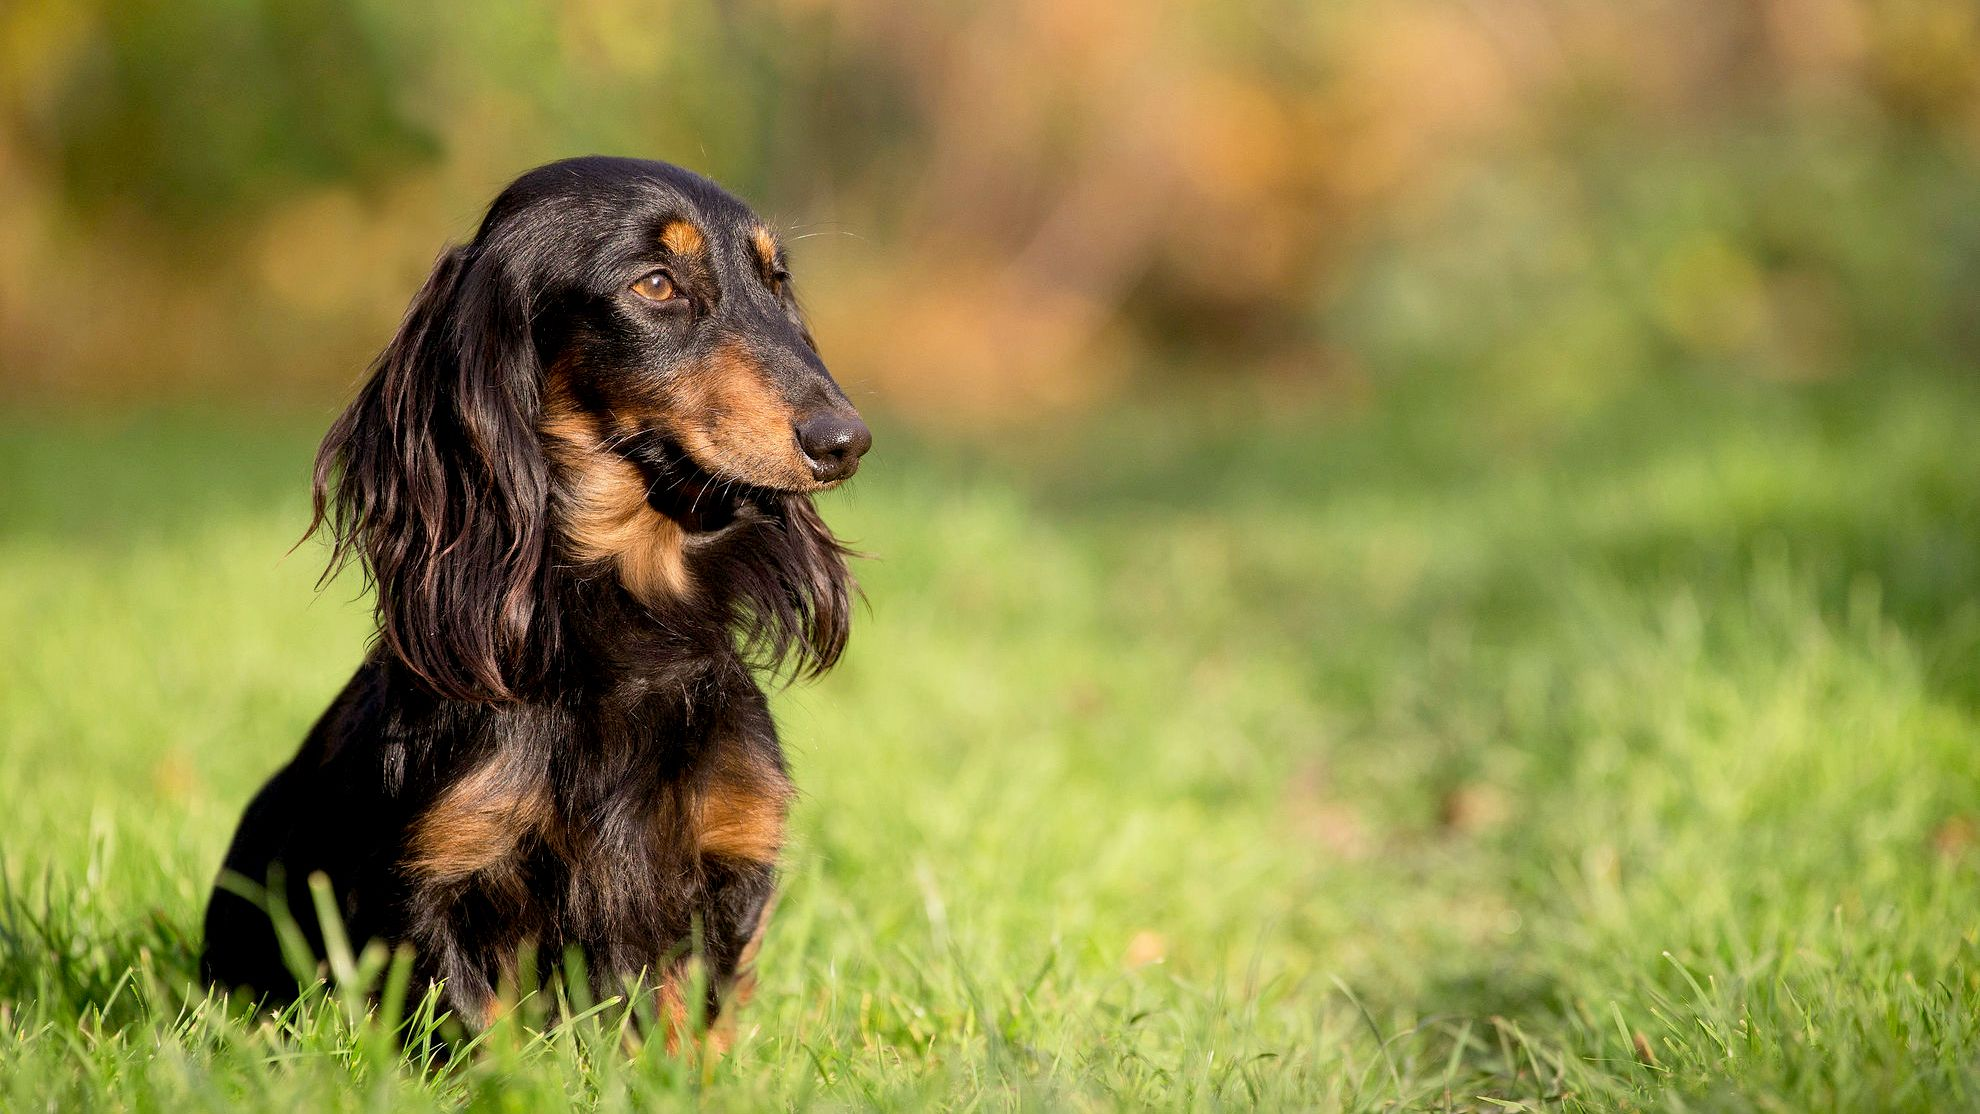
x=434, y=479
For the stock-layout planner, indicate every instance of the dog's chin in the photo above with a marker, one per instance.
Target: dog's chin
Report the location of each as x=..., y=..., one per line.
x=699, y=499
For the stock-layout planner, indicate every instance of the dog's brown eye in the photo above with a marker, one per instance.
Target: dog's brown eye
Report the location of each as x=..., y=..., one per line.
x=656, y=287
x=779, y=279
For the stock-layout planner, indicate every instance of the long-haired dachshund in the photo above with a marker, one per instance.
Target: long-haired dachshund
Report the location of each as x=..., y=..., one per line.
x=579, y=479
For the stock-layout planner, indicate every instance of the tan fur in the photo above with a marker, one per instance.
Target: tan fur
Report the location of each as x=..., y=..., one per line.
x=682, y=238
x=766, y=247
x=670, y=1015
x=492, y=1009
x=476, y=825
x=740, y=812
x=609, y=519
x=729, y=419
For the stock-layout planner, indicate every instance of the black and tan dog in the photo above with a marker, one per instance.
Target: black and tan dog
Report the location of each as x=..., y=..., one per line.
x=580, y=480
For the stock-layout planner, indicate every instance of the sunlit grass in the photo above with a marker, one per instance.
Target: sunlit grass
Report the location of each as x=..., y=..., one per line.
x=1192, y=757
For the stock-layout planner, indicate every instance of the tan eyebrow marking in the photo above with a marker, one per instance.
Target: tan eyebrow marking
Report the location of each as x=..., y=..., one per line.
x=682, y=238
x=766, y=247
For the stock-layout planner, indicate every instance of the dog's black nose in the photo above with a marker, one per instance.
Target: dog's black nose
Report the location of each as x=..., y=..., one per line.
x=834, y=443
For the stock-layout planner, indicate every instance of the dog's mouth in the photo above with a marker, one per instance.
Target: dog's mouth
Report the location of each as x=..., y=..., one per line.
x=676, y=486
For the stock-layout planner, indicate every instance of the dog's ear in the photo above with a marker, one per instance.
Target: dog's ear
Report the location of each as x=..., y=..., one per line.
x=435, y=479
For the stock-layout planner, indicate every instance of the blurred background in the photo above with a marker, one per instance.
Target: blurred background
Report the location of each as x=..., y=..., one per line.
x=1000, y=210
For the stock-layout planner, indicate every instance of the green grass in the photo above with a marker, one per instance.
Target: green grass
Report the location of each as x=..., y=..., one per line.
x=1199, y=756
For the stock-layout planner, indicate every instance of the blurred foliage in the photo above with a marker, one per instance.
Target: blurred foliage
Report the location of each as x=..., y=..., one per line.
x=999, y=208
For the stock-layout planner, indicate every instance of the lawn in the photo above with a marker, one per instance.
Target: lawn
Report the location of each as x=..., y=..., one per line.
x=1341, y=755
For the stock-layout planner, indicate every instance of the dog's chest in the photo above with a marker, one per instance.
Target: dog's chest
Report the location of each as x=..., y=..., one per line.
x=611, y=854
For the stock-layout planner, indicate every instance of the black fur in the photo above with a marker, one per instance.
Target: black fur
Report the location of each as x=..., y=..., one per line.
x=594, y=722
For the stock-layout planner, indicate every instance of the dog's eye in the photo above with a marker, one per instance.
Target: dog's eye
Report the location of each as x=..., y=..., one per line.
x=779, y=279
x=656, y=287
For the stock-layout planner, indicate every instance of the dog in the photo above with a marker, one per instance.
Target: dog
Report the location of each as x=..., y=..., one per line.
x=579, y=480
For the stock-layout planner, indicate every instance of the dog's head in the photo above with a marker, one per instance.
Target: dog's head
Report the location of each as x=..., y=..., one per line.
x=612, y=374
x=667, y=316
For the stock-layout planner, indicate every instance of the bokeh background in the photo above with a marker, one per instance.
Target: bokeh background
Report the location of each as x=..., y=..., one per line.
x=1004, y=207
x=1423, y=552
